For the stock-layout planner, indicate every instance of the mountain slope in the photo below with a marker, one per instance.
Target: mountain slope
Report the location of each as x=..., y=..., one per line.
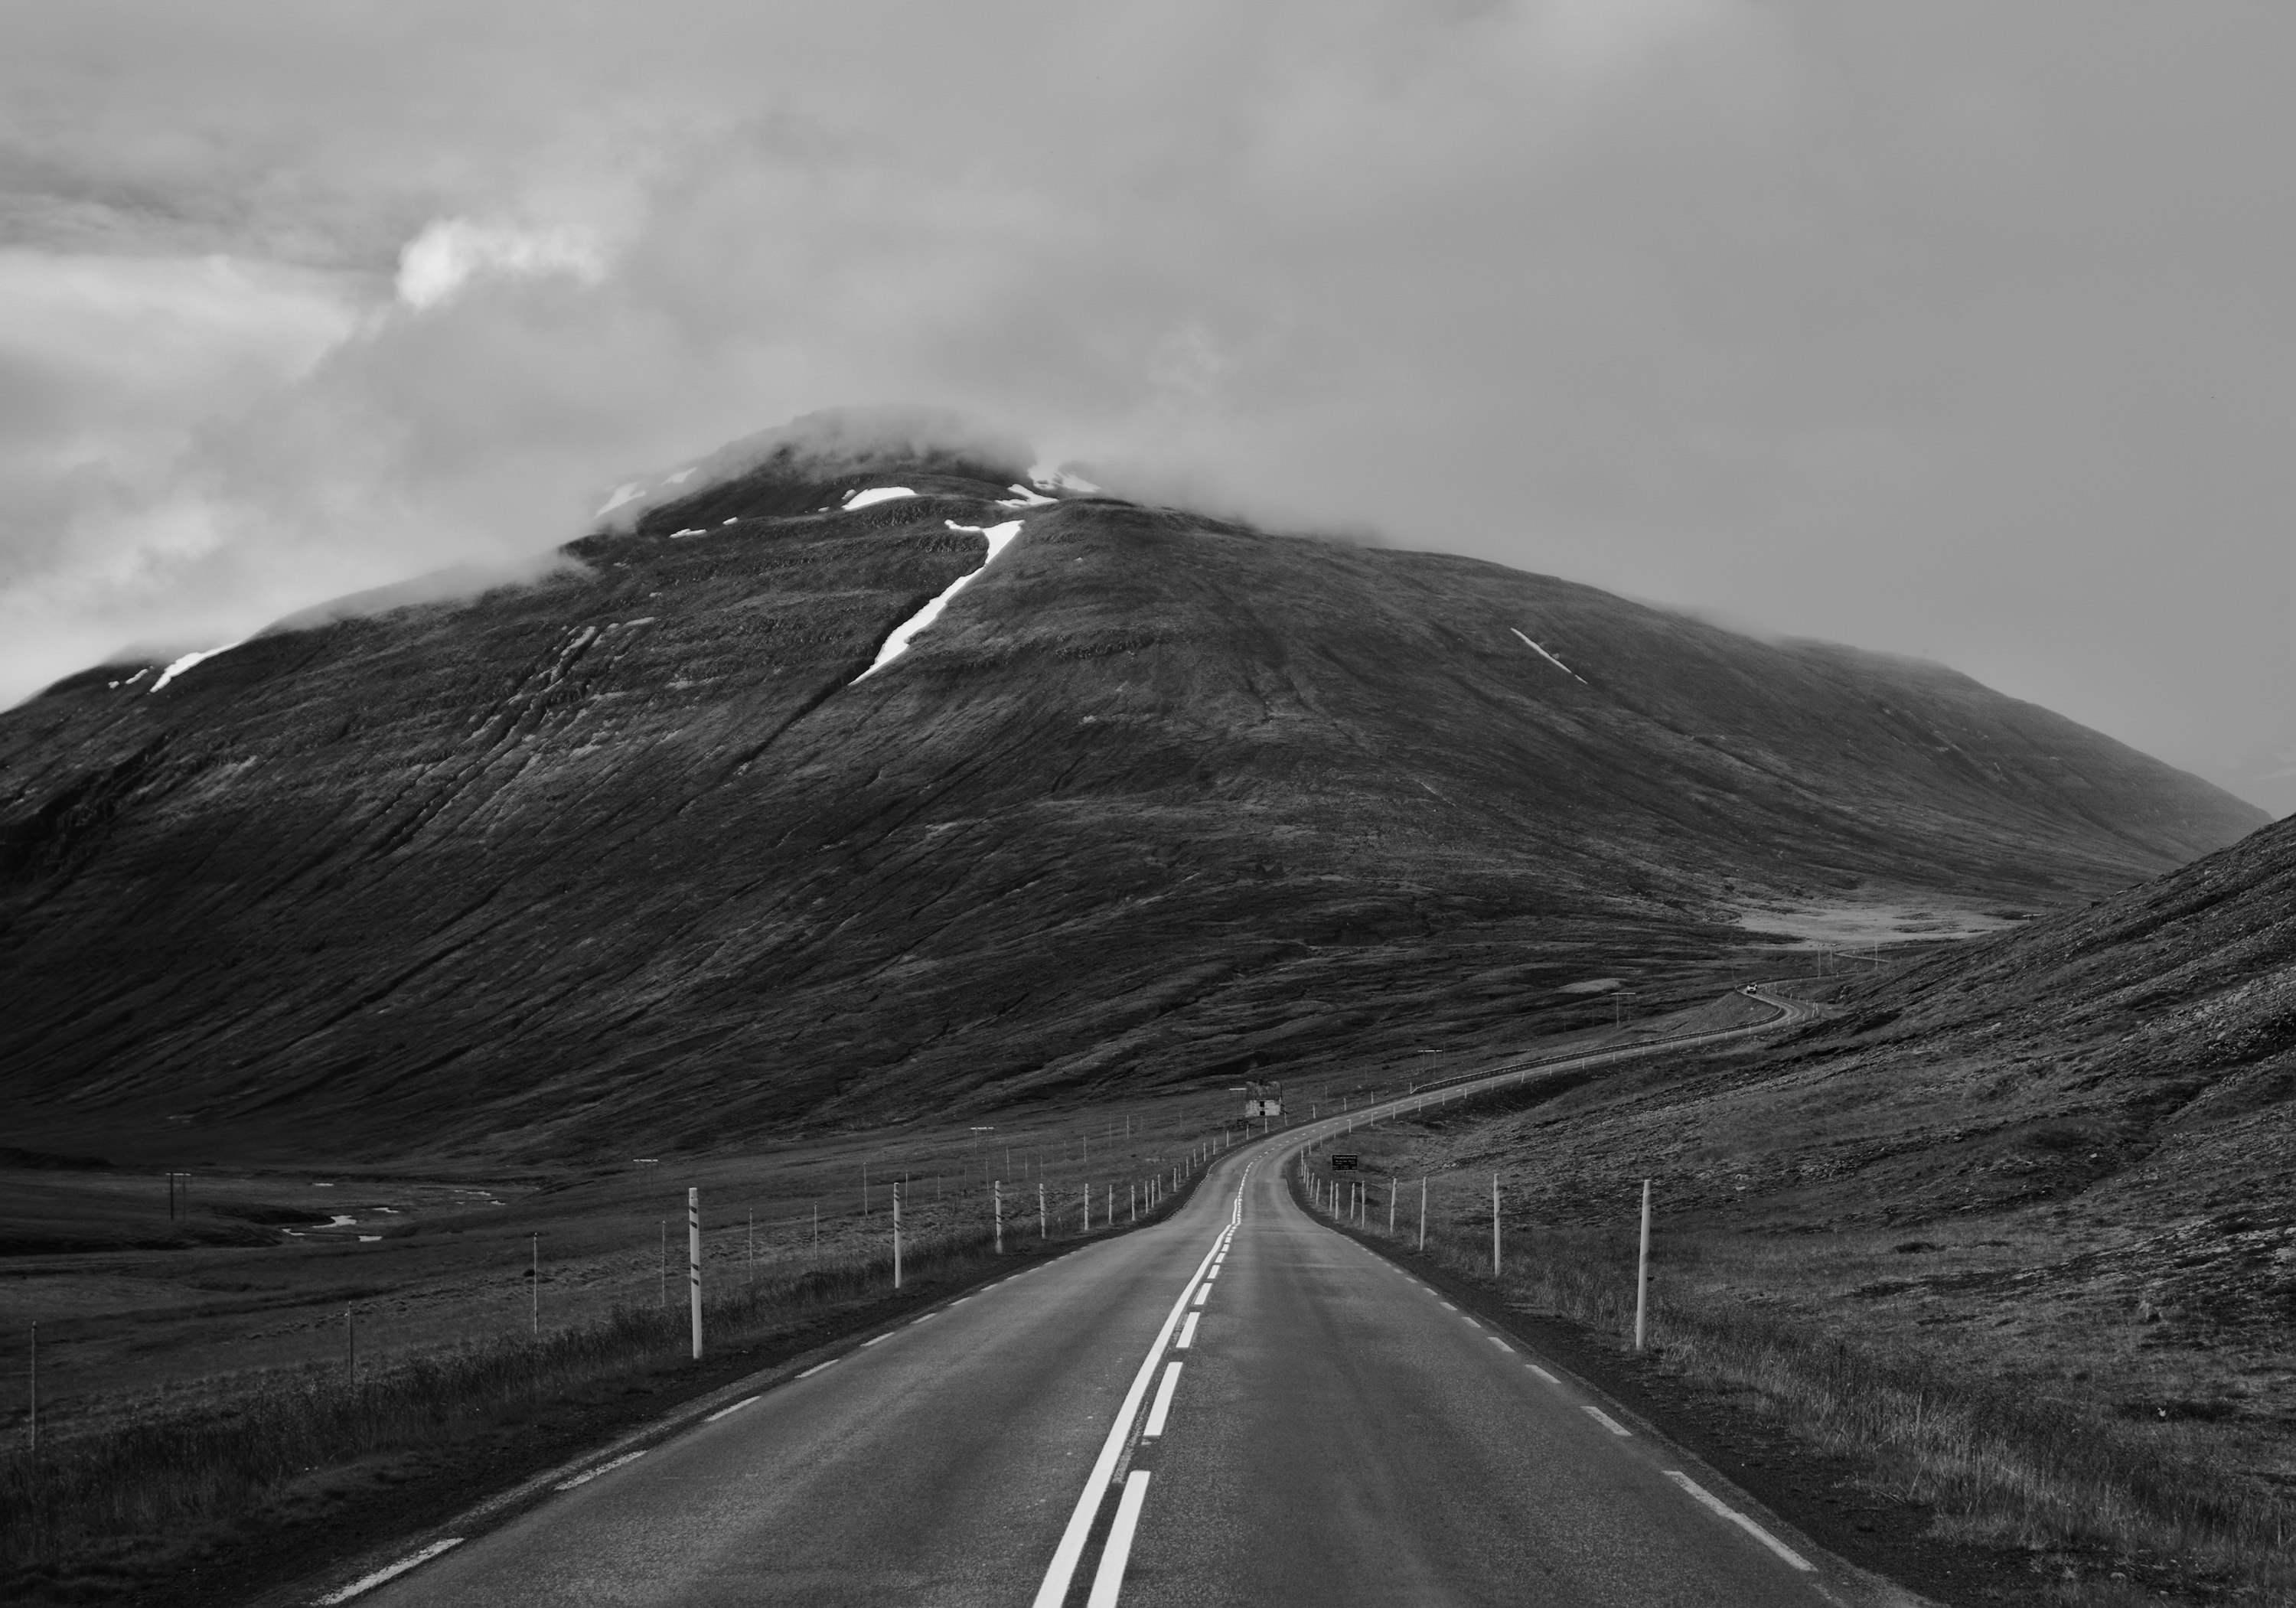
x=629, y=856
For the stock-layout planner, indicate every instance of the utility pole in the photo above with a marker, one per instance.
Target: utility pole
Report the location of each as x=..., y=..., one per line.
x=1642, y=1272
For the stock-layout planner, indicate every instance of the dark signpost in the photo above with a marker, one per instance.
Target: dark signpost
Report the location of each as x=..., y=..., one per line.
x=1343, y=1163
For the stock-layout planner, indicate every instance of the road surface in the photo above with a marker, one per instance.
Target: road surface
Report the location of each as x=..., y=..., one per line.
x=1237, y=1406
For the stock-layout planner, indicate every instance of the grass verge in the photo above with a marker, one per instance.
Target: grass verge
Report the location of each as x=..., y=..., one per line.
x=154, y=1489
x=2123, y=1516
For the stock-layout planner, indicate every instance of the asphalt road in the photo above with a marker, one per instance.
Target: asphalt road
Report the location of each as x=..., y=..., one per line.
x=1331, y=1433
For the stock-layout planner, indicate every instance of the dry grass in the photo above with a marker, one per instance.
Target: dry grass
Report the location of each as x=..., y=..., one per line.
x=174, y=1464
x=1995, y=1463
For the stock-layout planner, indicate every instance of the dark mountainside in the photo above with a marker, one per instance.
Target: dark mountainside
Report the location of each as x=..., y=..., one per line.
x=2134, y=1064
x=621, y=859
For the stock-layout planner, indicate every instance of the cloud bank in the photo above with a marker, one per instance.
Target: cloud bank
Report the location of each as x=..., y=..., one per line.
x=1887, y=324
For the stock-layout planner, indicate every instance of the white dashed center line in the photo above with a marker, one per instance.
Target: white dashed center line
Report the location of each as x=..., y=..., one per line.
x=1187, y=1333
x=1542, y=1373
x=1157, y=1413
x=816, y=1368
x=722, y=1411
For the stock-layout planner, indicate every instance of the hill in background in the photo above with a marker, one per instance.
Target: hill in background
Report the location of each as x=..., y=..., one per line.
x=637, y=856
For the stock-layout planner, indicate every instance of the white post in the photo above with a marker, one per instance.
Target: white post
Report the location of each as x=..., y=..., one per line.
x=1642, y=1274
x=1042, y=1216
x=996, y=1189
x=1087, y=1209
x=1495, y=1225
x=693, y=1264
x=897, y=1236
x=1390, y=1208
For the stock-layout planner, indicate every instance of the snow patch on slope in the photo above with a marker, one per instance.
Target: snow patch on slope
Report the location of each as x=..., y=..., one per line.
x=1551, y=658
x=875, y=494
x=188, y=661
x=999, y=537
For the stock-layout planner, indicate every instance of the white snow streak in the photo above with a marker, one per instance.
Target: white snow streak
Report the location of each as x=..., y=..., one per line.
x=1551, y=658
x=187, y=662
x=874, y=495
x=689, y=531
x=679, y=478
x=628, y=492
x=998, y=537
x=1023, y=497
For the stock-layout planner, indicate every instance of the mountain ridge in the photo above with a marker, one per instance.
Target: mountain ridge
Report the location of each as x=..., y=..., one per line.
x=625, y=856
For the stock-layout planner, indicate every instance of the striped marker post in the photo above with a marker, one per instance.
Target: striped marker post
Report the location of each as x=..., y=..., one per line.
x=693, y=1264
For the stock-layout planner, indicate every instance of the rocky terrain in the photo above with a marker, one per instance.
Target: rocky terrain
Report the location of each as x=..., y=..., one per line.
x=637, y=856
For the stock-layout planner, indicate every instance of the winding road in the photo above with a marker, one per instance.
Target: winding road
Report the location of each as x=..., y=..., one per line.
x=1236, y=1406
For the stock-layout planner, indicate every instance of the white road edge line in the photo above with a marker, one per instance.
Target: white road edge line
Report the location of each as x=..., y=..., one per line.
x=873, y=1339
x=816, y=1368
x=1203, y=1290
x=1742, y=1521
x=1502, y=1345
x=722, y=1411
x=1542, y=1373
x=1108, y=1580
x=1162, y=1409
x=392, y=1572
x=588, y=1475
x=1187, y=1333
x=1070, y=1551
x=1604, y=1419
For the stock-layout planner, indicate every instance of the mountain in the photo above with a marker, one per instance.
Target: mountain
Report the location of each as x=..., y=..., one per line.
x=646, y=853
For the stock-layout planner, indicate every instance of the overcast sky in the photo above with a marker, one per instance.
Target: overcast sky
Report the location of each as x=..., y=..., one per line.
x=1956, y=329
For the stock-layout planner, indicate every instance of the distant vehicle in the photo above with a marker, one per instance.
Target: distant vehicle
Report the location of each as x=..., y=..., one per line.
x=1342, y=1161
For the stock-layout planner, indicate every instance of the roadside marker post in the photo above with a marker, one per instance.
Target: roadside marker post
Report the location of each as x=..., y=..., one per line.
x=1087, y=1209
x=1495, y=1225
x=1043, y=1217
x=1390, y=1208
x=1423, y=1211
x=996, y=1195
x=897, y=1239
x=1642, y=1272
x=693, y=1263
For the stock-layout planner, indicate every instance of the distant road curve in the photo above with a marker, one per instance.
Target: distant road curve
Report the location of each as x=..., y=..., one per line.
x=1238, y=1405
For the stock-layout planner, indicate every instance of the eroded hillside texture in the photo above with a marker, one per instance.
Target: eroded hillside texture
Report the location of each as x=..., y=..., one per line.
x=628, y=856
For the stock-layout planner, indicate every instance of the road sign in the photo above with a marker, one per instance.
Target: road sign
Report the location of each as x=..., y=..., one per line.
x=1263, y=1108
x=1343, y=1163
